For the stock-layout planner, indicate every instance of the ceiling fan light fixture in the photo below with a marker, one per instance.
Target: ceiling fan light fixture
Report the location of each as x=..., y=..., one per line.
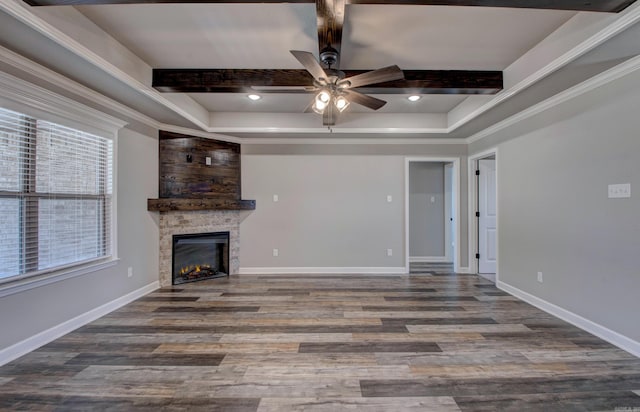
x=323, y=97
x=254, y=97
x=414, y=98
x=341, y=103
x=319, y=106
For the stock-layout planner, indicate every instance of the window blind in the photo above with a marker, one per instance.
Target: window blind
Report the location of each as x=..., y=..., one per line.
x=55, y=196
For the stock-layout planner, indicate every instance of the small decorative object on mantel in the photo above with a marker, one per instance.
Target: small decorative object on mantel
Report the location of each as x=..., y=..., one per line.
x=198, y=174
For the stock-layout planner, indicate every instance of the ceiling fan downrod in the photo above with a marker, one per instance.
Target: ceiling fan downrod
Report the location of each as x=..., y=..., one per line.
x=329, y=56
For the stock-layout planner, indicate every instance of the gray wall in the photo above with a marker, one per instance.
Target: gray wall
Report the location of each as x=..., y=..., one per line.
x=332, y=209
x=426, y=218
x=554, y=215
x=25, y=314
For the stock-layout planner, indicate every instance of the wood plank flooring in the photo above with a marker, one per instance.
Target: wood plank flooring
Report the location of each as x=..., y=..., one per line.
x=430, y=341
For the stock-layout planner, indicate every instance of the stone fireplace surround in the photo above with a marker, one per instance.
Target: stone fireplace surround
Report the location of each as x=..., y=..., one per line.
x=197, y=221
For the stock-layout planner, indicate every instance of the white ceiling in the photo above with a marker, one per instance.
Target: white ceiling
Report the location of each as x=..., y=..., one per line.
x=259, y=36
x=246, y=36
x=120, y=44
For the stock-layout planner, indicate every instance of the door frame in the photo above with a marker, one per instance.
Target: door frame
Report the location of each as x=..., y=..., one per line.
x=455, y=189
x=473, y=207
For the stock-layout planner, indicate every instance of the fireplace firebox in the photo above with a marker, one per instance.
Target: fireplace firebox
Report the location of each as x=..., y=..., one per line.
x=200, y=256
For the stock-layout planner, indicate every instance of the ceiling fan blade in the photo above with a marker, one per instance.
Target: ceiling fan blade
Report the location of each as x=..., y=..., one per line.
x=292, y=89
x=364, y=100
x=386, y=74
x=310, y=63
x=309, y=108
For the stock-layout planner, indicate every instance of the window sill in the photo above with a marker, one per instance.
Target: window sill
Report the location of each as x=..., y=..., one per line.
x=17, y=286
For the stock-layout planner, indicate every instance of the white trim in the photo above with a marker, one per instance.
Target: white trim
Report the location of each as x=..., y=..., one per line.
x=621, y=70
x=627, y=18
x=322, y=270
x=24, y=93
x=472, y=198
x=34, y=342
x=328, y=130
x=355, y=141
x=428, y=259
x=456, y=220
x=31, y=282
x=600, y=331
x=463, y=270
x=23, y=14
x=28, y=66
x=199, y=133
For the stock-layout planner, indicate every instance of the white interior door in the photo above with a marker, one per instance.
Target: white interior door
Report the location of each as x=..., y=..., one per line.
x=487, y=221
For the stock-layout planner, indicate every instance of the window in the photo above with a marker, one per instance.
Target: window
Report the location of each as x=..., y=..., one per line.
x=55, y=196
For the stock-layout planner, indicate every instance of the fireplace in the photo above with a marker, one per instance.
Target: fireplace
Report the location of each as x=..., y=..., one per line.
x=200, y=256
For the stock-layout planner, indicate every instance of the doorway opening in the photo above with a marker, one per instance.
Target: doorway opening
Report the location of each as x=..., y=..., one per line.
x=483, y=203
x=432, y=214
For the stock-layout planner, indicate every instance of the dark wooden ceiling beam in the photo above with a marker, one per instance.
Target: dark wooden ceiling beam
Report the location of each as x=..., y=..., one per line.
x=330, y=17
x=241, y=80
x=611, y=6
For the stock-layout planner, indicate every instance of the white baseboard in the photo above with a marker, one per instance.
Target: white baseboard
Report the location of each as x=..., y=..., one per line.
x=615, y=338
x=34, y=342
x=323, y=270
x=463, y=270
x=428, y=259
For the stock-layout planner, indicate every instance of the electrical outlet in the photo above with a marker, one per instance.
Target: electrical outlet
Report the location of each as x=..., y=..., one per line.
x=540, y=277
x=389, y=198
x=130, y=271
x=619, y=190
x=275, y=198
x=276, y=252
x=207, y=160
x=389, y=252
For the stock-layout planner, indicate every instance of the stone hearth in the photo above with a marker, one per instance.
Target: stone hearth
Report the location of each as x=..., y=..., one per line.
x=197, y=221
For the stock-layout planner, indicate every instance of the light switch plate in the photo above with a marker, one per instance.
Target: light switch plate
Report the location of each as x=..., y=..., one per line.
x=207, y=160
x=619, y=190
x=389, y=198
x=275, y=198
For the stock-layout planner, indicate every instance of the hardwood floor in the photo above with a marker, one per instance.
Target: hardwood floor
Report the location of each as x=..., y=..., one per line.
x=421, y=342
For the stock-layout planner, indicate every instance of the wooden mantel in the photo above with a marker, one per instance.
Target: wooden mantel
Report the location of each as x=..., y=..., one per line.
x=198, y=174
x=175, y=204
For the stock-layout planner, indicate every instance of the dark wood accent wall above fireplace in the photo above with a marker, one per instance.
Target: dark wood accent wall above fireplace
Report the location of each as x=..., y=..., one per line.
x=184, y=171
x=198, y=174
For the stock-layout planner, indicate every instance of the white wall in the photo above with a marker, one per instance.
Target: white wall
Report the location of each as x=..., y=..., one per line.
x=554, y=214
x=25, y=314
x=332, y=210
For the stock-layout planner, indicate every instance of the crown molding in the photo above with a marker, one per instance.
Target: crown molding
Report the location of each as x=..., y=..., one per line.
x=30, y=67
x=621, y=70
x=627, y=18
x=18, y=91
x=355, y=141
x=20, y=11
x=200, y=133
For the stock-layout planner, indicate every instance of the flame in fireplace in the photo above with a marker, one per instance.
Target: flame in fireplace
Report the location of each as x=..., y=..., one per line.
x=195, y=269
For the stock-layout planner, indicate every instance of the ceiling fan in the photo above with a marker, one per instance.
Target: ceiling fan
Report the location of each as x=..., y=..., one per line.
x=335, y=90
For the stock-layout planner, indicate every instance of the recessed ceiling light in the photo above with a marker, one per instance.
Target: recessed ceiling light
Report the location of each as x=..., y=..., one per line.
x=414, y=98
x=254, y=97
